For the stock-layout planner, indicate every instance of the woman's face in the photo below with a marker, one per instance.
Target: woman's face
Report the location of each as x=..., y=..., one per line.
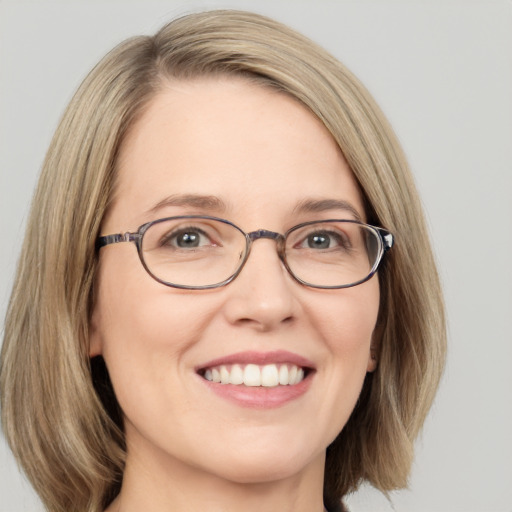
x=262, y=157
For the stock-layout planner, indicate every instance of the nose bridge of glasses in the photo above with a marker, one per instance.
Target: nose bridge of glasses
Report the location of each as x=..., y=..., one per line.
x=264, y=233
x=271, y=235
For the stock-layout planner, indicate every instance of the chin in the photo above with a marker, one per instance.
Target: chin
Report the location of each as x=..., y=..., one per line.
x=244, y=473
x=263, y=466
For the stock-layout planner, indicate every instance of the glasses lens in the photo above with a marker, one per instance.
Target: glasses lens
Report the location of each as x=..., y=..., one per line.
x=333, y=253
x=193, y=252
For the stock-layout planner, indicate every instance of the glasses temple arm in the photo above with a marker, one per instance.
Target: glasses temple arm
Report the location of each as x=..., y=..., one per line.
x=114, y=239
x=387, y=238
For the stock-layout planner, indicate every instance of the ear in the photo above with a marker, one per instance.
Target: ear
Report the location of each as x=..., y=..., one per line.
x=372, y=358
x=95, y=338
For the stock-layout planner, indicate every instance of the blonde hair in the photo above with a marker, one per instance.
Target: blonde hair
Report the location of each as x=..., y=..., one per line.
x=59, y=417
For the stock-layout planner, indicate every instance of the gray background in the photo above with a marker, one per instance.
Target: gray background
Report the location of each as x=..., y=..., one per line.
x=442, y=72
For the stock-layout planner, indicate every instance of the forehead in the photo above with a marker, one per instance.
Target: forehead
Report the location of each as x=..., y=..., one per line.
x=258, y=150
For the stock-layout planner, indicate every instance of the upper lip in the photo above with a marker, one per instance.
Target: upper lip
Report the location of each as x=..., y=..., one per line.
x=259, y=358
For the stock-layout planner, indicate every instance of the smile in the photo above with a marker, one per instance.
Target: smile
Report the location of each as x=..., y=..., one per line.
x=253, y=375
x=259, y=380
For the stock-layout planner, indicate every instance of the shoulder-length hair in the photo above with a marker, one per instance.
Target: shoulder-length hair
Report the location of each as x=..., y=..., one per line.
x=59, y=412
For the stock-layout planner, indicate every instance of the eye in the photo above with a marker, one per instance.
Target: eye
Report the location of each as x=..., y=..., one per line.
x=319, y=241
x=187, y=238
x=325, y=240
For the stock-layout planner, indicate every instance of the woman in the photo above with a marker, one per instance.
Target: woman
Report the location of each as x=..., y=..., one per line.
x=277, y=334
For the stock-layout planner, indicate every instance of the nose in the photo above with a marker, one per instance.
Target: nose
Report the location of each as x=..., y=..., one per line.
x=262, y=296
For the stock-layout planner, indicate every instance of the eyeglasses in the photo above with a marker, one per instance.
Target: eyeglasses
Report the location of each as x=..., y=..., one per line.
x=200, y=252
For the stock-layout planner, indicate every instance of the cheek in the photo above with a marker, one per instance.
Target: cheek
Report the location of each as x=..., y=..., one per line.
x=346, y=324
x=141, y=328
x=145, y=330
x=347, y=321
x=133, y=312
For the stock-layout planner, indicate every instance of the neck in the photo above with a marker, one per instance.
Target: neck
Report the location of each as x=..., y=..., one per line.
x=173, y=486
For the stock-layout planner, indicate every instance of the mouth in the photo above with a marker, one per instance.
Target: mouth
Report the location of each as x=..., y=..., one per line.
x=256, y=375
x=258, y=369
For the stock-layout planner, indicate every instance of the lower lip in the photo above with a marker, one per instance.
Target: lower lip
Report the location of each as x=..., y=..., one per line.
x=260, y=397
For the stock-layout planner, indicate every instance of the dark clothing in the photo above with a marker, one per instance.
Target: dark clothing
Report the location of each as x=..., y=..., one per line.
x=338, y=508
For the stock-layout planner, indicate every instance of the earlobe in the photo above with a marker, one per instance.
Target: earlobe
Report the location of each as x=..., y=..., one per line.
x=372, y=359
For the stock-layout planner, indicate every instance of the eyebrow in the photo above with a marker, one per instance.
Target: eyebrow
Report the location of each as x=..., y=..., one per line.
x=323, y=205
x=215, y=204
x=209, y=203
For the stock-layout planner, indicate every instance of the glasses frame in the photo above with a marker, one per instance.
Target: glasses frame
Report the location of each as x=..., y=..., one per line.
x=385, y=238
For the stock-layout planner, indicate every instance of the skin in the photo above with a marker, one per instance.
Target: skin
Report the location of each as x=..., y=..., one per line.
x=261, y=152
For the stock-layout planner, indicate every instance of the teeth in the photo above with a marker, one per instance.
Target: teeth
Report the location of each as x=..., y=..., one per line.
x=283, y=375
x=253, y=375
x=270, y=375
x=215, y=375
x=237, y=375
x=224, y=375
x=292, y=375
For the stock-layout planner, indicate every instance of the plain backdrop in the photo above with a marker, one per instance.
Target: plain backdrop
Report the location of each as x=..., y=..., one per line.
x=442, y=72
